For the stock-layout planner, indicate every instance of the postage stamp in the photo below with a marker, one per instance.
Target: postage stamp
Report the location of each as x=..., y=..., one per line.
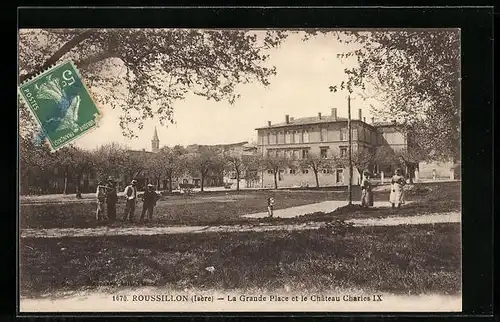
x=61, y=104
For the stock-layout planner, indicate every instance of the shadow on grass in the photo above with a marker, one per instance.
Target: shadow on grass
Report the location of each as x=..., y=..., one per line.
x=399, y=259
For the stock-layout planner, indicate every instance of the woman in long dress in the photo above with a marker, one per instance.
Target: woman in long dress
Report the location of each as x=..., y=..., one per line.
x=366, y=191
x=397, y=196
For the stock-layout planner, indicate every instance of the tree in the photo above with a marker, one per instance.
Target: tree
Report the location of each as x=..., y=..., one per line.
x=83, y=164
x=252, y=164
x=316, y=163
x=134, y=163
x=154, y=167
x=385, y=156
x=407, y=158
x=415, y=75
x=110, y=161
x=275, y=164
x=170, y=161
x=234, y=164
x=203, y=162
x=239, y=165
x=143, y=72
x=74, y=163
x=65, y=160
x=36, y=166
x=362, y=159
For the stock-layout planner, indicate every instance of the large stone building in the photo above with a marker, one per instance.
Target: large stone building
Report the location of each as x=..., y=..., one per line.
x=326, y=136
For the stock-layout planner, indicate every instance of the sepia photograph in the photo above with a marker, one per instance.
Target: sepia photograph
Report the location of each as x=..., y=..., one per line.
x=239, y=170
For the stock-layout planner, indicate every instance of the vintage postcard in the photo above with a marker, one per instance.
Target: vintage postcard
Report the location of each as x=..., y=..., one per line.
x=240, y=170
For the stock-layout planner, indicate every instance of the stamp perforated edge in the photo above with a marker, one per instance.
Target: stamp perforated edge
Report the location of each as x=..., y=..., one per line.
x=33, y=114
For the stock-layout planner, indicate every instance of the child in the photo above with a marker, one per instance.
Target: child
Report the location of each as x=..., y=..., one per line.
x=270, y=206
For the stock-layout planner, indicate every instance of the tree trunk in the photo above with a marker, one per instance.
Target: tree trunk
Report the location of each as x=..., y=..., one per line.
x=275, y=180
x=170, y=183
x=316, y=177
x=65, y=190
x=237, y=181
x=202, y=181
x=78, y=190
x=158, y=183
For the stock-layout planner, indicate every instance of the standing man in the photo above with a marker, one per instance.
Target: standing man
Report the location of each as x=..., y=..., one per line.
x=111, y=199
x=101, y=199
x=149, y=202
x=131, y=195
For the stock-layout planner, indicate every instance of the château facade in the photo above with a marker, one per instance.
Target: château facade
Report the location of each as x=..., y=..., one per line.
x=326, y=136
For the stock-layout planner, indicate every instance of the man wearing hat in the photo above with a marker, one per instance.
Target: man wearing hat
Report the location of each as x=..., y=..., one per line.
x=149, y=201
x=101, y=199
x=131, y=195
x=111, y=199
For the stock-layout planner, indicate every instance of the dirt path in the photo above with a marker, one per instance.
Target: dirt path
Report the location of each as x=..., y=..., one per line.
x=325, y=206
x=452, y=217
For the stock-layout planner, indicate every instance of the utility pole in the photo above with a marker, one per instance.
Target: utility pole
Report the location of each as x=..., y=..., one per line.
x=349, y=187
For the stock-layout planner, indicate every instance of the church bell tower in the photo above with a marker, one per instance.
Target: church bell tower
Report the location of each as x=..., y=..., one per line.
x=155, y=142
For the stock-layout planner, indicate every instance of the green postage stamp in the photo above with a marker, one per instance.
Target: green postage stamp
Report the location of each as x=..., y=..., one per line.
x=61, y=104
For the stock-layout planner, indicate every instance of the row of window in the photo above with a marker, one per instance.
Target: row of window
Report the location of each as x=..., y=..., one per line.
x=302, y=136
x=290, y=154
x=306, y=171
x=302, y=154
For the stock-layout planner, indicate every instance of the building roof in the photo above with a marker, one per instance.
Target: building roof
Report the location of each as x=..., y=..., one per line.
x=306, y=121
x=324, y=119
x=155, y=135
x=312, y=120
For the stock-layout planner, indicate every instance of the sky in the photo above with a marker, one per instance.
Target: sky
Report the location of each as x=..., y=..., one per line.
x=305, y=70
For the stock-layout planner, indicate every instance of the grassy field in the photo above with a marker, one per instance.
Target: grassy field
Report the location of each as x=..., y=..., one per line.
x=216, y=208
x=399, y=259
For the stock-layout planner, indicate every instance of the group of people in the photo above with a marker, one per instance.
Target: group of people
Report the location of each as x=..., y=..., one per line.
x=107, y=195
x=396, y=197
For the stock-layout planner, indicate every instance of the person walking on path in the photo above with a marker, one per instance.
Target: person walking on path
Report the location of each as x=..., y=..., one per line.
x=366, y=191
x=131, y=195
x=111, y=199
x=149, y=202
x=101, y=199
x=397, y=196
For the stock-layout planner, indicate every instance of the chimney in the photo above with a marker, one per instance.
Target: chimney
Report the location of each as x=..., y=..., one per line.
x=360, y=114
x=319, y=116
x=373, y=120
x=364, y=119
x=269, y=123
x=334, y=113
x=287, y=119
